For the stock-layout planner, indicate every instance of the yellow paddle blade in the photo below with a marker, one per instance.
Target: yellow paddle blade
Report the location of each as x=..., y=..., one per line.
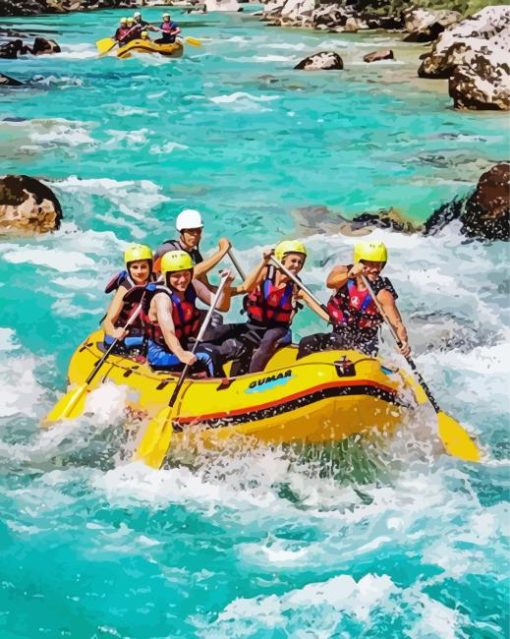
x=195, y=42
x=156, y=439
x=104, y=45
x=68, y=407
x=456, y=439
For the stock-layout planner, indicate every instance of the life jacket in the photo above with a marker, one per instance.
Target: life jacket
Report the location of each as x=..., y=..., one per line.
x=121, y=33
x=354, y=308
x=174, y=245
x=185, y=315
x=124, y=280
x=268, y=305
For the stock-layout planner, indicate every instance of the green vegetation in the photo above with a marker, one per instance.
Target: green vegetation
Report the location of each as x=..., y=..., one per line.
x=396, y=7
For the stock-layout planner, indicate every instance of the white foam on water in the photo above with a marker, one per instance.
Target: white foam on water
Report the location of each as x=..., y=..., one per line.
x=169, y=147
x=58, y=260
x=20, y=391
x=80, y=51
x=274, y=58
x=122, y=139
x=242, y=101
x=8, y=340
x=142, y=195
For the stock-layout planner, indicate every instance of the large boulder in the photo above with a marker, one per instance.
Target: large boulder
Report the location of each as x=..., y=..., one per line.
x=474, y=53
x=481, y=82
x=322, y=61
x=297, y=13
x=27, y=206
x=10, y=50
x=424, y=25
x=483, y=215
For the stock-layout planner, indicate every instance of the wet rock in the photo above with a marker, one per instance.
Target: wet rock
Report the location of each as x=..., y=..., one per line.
x=322, y=61
x=375, y=56
x=474, y=54
x=424, y=25
x=390, y=219
x=42, y=46
x=483, y=215
x=222, y=5
x=27, y=206
x=10, y=50
x=6, y=81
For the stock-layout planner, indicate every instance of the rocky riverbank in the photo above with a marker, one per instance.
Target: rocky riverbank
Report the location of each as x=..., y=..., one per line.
x=471, y=52
x=35, y=7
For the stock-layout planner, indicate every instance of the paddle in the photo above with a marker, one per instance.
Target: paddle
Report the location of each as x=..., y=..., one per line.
x=236, y=264
x=299, y=284
x=105, y=45
x=154, y=445
x=195, y=42
x=72, y=404
x=454, y=437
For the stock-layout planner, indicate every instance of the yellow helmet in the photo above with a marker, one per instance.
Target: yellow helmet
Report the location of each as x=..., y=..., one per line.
x=144, y=34
x=370, y=251
x=289, y=246
x=137, y=252
x=123, y=20
x=176, y=261
x=129, y=20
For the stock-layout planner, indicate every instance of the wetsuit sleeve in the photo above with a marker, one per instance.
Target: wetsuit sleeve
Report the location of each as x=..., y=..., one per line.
x=384, y=284
x=197, y=257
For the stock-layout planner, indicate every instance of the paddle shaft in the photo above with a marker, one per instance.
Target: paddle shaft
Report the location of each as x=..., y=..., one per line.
x=203, y=328
x=397, y=339
x=113, y=345
x=238, y=267
x=299, y=284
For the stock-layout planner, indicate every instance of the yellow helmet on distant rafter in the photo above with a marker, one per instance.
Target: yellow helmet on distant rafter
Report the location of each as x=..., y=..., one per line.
x=370, y=251
x=174, y=261
x=289, y=246
x=137, y=252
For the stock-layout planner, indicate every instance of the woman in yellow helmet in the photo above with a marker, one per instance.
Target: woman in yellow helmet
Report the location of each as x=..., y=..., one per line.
x=138, y=261
x=172, y=319
x=271, y=304
x=353, y=313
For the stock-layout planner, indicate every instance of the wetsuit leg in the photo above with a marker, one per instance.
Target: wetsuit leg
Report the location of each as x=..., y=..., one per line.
x=267, y=347
x=129, y=342
x=158, y=357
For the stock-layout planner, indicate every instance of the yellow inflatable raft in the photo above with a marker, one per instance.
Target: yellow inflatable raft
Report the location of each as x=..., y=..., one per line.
x=173, y=50
x=321, y=398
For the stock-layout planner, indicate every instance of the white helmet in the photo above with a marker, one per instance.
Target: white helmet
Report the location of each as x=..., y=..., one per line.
x=188, y=219
x=137, y=14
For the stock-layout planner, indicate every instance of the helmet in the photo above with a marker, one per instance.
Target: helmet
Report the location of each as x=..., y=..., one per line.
x=137, y=14
x=176, y=261
x=370, y=251
x=137, y=252
x=144, y=34
x=166, y=15
x=289, y=246
x=188, y=219
x=129, y=20
x=123, y=20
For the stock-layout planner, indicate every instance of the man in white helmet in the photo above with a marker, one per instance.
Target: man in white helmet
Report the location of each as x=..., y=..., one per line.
x=189, y=224
x=141, y=24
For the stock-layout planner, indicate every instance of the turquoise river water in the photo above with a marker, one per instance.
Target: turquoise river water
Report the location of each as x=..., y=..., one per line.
x=381, y=541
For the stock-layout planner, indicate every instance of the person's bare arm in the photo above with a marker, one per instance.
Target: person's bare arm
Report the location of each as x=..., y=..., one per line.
x=389, y=307
x=165, y=321
x=205, y=294
x=337, y=277
x=200, y=270
x=113, y=314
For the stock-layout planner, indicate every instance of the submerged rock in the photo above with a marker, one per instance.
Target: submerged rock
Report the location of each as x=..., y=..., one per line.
x=375, y=56
x=6, y=81
x=483, y=215
x=474, y=56
x=27, y=206
x=322, y=61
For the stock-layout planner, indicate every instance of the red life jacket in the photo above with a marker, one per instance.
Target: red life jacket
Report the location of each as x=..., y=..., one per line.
x=354, y=308
x=185, y=316
x=268, y=305
x=123, y=280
